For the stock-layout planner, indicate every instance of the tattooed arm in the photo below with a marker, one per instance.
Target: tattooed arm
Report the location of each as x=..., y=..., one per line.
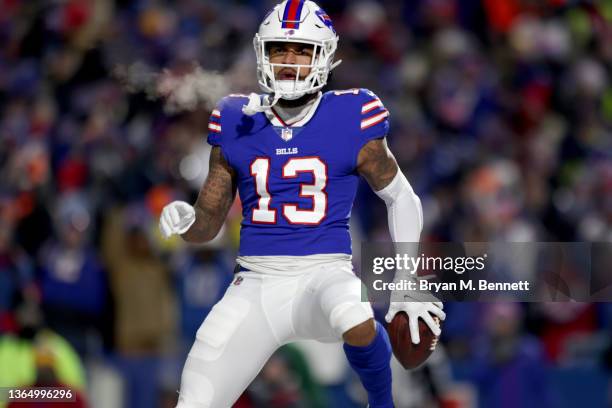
x=376, y=164
x=201, y=222
x=214, y=201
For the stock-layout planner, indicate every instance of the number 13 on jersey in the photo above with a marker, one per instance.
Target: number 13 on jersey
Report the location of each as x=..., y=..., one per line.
x=263, y=214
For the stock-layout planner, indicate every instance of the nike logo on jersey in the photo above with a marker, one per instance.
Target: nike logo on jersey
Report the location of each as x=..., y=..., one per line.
x=286, y=150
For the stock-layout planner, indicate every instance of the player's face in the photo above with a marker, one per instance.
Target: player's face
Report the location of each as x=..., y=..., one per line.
x=290, y=53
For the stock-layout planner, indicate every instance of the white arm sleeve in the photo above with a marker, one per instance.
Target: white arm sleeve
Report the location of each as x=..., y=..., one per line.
x=404, y=211
x=405, y=217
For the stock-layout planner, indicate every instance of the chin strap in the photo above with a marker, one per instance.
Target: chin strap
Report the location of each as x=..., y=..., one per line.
x=255, y=104
x=334, y=65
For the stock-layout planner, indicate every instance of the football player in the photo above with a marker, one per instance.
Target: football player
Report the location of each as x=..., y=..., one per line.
x=295, y=156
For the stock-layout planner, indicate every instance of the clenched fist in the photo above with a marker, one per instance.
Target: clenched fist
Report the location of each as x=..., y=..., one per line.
x=176, y=218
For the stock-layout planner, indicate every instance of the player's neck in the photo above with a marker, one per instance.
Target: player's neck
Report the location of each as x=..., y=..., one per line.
x=294, y=111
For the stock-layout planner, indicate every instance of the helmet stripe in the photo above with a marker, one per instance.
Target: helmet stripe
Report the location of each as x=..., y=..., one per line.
x=293, y=11
x=298, y=14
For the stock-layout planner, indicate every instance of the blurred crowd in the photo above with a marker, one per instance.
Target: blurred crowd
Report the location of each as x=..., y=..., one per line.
x=501, y=118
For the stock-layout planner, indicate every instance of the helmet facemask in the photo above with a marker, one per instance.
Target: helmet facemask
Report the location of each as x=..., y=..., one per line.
x=320, y=66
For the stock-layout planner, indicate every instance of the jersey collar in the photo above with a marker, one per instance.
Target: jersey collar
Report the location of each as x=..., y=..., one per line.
x=276, y=120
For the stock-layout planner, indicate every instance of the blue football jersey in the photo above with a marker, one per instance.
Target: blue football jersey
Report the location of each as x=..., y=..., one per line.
x=297, y=182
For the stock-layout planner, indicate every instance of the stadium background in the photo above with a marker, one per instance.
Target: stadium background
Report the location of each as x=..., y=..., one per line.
x=501, y=116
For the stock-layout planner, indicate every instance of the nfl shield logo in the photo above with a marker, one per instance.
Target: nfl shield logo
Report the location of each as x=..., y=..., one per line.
x=287, y=134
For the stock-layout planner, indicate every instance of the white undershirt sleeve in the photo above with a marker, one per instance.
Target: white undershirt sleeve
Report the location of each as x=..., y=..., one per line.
x=404, y=211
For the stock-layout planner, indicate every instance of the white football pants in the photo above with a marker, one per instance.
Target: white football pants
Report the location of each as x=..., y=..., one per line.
x=258, y=314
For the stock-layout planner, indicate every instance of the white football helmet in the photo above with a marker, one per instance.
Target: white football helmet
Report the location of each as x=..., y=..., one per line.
x=301, y=21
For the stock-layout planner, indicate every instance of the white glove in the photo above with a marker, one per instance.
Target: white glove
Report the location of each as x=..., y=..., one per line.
x=176, y=218
x=414, y=310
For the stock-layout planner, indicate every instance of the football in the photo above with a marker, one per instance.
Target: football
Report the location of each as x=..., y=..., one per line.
x=411, y=355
